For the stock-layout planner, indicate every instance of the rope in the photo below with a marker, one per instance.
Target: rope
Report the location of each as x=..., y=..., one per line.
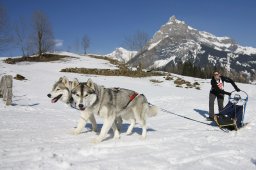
x=185, y=117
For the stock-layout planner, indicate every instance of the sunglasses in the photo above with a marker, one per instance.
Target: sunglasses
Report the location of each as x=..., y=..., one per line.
x=216, y=74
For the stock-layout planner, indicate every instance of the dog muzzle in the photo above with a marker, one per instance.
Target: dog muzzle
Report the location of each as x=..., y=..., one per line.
x=55, y=99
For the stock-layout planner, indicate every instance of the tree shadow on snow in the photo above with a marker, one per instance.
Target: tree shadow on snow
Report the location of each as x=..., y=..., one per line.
x=24, y=95
x=33, y=104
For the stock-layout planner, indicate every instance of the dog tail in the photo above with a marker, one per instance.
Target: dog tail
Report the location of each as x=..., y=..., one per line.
x=152, y=110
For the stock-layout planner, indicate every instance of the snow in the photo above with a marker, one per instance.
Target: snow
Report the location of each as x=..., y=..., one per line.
x=206, y=34
x=173, y=19
x=217, y=48
x=189, y=27
x=163, y=62
x=242, y=64
x=122, y=54
x=213, y=37
x=214, y=41
x=36, y=134
x=222, y=38
x=152, y=45
x=218, y=44
x=245, y=50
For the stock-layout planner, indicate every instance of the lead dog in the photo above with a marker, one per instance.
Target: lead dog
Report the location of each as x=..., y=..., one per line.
x=62, y=91
x=110, y=103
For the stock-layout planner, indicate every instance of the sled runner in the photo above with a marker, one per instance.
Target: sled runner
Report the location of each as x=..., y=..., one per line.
x=232, y=116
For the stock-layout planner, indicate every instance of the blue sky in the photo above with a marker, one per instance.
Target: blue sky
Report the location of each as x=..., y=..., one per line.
x=107, y=22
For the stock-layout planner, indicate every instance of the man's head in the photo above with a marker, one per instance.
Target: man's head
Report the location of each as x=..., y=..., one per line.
x=216, y=75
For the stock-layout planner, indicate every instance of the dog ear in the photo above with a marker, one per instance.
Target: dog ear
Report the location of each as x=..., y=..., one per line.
x=65, y=80
x=75, y=83
x=60, y=79
x=90, y=84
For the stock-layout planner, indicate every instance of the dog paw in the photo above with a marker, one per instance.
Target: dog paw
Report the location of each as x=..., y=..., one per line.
x=143, y=137
x=96, y=140
x=117, y=137
x=76, y=132
x=128, y=133
x=94, y=130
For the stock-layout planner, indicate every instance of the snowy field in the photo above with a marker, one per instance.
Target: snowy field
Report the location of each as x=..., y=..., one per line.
x=36, y=134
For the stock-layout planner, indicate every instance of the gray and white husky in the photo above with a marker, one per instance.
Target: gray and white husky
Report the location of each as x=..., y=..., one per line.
x=110, y=103
x=62, y=91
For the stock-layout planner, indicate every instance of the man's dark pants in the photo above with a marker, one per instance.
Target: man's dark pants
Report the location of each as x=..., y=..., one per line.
x=212, y=98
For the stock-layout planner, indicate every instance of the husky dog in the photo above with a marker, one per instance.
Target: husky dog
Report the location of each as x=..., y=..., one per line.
x=110, y=103
x=62, y=91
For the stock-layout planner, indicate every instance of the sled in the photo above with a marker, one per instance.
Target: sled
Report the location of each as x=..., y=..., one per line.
x=232, y=115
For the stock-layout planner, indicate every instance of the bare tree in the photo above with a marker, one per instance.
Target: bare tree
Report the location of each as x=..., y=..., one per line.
x=43, y=35
x=5, y=38
x=22, y=37
x=85, y=43
x=136, y=41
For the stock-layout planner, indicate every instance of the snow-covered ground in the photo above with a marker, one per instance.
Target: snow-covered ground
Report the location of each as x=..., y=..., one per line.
x=36, y=134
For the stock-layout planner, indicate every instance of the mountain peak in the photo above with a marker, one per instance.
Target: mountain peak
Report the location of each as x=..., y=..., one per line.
x=122, y=54
x=174, y=20
x=172, y=28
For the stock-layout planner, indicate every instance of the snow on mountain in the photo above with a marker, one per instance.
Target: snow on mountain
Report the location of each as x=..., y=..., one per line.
x=122, y=54
x=219, y=42
x=36, y=134
x=245, y=50
x=176, y=42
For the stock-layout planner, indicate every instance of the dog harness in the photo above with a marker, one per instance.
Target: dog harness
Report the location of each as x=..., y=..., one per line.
x=132, y=97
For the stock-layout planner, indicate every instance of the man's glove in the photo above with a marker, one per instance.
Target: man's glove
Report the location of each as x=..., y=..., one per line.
x=237, y=89
x=227, y=93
